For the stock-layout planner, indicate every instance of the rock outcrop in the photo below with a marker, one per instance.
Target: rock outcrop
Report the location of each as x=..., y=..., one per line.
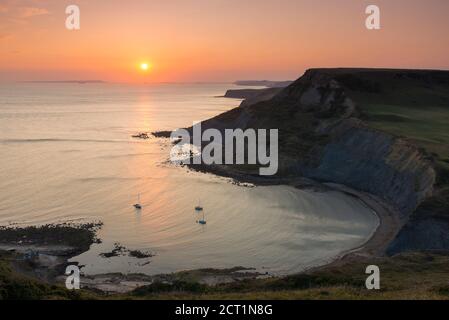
x=428, y=233
x=252, y=96
x=374, y=162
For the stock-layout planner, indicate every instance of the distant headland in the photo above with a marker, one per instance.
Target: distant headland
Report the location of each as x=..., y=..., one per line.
x=264, y=83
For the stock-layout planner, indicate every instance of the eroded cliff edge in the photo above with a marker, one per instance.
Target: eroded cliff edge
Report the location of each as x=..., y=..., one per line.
x=326, y=133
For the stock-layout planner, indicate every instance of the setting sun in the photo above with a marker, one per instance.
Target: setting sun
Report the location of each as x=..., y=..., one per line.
x=144, y=66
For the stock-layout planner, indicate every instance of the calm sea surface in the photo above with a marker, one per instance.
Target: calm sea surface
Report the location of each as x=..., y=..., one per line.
x=67, y=155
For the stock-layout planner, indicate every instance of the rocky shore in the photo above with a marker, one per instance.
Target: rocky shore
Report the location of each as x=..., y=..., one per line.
x=43, y=251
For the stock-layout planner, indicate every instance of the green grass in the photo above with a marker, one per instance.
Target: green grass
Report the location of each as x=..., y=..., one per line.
x=406, y=276
x=427, y=127
x=16, y=286
x=412, y=105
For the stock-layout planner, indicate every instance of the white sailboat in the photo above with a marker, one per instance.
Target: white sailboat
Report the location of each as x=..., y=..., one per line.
x=202, y=221
x=138, y=206
x=199, y=207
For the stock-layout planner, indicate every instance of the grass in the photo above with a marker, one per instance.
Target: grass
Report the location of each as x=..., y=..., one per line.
x=428, y=127
x=411, y=105
x=16, y=286
x=406, y=276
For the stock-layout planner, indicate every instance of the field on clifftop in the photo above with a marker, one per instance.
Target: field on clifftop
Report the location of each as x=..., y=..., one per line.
x=414, y=106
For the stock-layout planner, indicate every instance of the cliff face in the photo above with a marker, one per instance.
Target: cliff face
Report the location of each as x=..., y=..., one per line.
x=321, y=137
x=252, y=96
x=355, y=154
x=375, y=162
x=427, y=233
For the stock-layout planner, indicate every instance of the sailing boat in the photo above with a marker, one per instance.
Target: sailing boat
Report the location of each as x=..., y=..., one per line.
x=138, y=206
x=199, y=207
x=202, y=221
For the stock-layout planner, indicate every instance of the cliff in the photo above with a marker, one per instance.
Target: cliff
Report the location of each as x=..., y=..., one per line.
x=252, y=96
x=264, y=83
x=330, y=130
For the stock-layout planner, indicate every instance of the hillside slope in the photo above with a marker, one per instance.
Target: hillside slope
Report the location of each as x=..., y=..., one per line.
x=380, y=131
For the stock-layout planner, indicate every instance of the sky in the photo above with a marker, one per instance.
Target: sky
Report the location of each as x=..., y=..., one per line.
x=215, y=40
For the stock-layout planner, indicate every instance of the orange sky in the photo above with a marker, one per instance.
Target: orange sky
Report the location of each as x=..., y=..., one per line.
x=215, y=40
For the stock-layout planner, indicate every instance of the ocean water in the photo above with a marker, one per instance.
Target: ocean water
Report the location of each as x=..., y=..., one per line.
x=67, y=155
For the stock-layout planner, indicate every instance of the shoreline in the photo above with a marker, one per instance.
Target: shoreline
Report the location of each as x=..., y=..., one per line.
x=376, y=245
x=389, y=222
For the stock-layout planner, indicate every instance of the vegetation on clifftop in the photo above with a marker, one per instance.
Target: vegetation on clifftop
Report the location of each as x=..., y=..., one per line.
x=405, y=276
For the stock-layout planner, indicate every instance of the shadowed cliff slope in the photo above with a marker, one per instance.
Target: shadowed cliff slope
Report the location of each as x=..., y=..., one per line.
x=382, y=131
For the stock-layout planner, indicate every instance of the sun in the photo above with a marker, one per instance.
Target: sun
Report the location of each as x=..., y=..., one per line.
x=144, y=66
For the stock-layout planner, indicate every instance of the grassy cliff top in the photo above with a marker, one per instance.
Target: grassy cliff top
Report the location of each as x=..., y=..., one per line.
x=409, y=103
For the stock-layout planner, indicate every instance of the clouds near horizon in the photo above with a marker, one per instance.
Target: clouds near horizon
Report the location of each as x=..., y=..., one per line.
x=13, y=10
